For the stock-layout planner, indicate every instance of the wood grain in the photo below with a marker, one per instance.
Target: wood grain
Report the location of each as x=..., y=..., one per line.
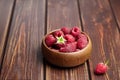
x=23, y=56
x=115, y=6
x=5, y=16
x=64, y=13
x=23, y=24
x=99, y=23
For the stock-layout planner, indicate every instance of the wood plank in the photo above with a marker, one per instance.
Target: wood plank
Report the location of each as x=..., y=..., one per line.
x=64, y=13
x=5, y=15
x=99, y=23
x=115, y=5
x=23, y=59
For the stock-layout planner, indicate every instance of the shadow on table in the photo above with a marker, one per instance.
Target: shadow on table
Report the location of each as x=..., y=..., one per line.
x=58, y=67
x=39, y=55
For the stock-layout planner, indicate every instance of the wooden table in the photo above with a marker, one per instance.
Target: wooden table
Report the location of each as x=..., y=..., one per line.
x=23, y=23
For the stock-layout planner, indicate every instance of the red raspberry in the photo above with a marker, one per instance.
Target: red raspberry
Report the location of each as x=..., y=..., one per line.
x=69, y=47
x=82, y=42
x=75, y=31
x=81, y=36
x=58, y=33
x=50, y=40
x=65, y=30
x=101, y=68
x=58, y=45
x=69, y=38
x=60, y=42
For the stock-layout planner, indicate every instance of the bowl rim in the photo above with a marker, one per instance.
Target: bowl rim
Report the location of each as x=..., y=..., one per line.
x=76, y=52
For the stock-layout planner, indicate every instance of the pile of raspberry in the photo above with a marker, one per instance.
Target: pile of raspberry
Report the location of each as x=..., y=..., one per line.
x=67, y=39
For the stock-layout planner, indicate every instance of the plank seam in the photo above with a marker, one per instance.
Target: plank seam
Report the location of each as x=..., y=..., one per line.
x=88, y=68
x=79, y=11
x=113, y=14
x=45, y=31
x=88, y=65
x=46, y=5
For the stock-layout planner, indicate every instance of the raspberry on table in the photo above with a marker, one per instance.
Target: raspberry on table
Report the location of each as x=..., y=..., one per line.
x=101, y=68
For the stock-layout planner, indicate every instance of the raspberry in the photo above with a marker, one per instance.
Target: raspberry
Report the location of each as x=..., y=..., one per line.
x=58, y=45
x=60, y=42
x=50, y=40
x=101, y=68
x=66, y=40
x=58, y=33
x=65, y=30
x=82, y=42
x=69, y=38
x=75, y=31
x=69, y=47
x=81, y=36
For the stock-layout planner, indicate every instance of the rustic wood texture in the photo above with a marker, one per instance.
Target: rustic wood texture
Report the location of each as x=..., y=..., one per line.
x=23, y=59
x=115, y=6
x=99, y=23
x=23, y=23
x=5, y=16
x=61, y=13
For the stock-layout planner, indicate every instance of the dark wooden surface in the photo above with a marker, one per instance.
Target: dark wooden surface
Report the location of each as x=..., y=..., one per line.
x=23, y=23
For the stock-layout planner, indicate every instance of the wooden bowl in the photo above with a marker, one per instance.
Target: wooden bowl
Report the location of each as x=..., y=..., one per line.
x=69, y=59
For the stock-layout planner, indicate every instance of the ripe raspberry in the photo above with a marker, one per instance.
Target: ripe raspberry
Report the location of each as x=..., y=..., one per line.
x=65, y=30
x=101, y=68
x=82, y=42
x=60, y=42
x=50, y=40
x=69, y=47
x=81, y=36
x=75, y=31
x=58, y=33
x=58, y=45
x=69, y=38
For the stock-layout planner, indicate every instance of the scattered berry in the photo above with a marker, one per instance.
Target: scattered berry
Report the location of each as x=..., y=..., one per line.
x=69, y=38
x=101, y=68
x=82, y=42
x=50, y=40
x=58, y=33
x=69, y=47
x=75, y=31
x=65, y=30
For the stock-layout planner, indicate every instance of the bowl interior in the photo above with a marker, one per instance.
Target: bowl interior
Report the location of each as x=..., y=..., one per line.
x=56, y=51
